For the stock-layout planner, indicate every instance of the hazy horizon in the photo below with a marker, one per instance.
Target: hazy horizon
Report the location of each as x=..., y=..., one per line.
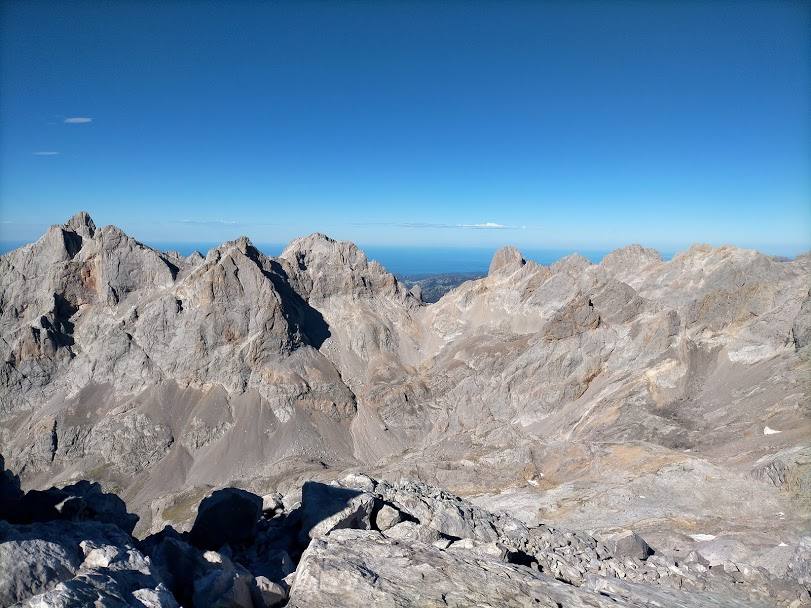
x=35, y=231
x=421, y=259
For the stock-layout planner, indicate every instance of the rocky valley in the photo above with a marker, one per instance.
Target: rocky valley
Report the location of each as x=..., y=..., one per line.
x=306, y=430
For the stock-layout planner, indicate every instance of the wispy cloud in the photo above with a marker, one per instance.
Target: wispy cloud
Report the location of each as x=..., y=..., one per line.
x=486, y=226
x=420, y=225
x=430, y=225
x=220, y=223
x=77, y=120
x=46, y=153
x=207, y=222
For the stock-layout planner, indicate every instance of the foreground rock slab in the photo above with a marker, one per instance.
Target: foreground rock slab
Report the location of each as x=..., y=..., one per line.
x=364, y=568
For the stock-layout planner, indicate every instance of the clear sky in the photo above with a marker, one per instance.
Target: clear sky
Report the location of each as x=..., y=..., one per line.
x=543, y=124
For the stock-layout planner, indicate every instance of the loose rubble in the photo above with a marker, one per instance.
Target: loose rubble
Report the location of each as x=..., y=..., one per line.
x=353, y=542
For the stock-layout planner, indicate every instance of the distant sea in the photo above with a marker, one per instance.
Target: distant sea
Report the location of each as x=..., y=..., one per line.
x=407, y=261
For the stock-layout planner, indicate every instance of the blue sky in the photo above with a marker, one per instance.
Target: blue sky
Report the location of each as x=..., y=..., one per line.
x=558, y=124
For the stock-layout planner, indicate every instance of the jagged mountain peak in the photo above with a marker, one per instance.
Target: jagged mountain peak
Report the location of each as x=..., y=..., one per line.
x=324, y=267
x=572, y=264
x=321, y=250
x=82, y=224
x=313, y=238
x=506, y=259
x=634, y=255
x=240, y=244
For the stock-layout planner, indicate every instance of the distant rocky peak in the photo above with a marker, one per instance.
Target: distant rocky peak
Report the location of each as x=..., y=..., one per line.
x=241, y=245
x=506, y=259
x=630, y=258
x=63, y=242
x=316, y=242
x=82, y=224
x=707, y=257
x=314, y=239
x=194, y=258
x=318, y=250
x=573, y=263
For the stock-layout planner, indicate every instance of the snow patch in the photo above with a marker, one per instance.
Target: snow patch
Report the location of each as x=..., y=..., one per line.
x=702, y=537
x=768, y=431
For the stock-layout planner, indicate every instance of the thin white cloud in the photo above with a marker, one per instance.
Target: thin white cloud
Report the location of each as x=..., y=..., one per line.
x=228, y=223
x=77, y=120
x=46, y=153
x=208, y=222
x=422, y=225
x=485, y=226
x=479, y=226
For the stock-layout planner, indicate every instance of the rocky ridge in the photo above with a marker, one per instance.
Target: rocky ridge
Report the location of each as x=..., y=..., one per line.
x=668, y=397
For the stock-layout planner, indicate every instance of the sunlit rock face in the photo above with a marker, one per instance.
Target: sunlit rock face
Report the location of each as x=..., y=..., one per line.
x=668, y=397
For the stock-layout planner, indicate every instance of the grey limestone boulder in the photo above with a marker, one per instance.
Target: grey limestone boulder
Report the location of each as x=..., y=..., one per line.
x=326, y=508
x=387, y=517
x=627, y=543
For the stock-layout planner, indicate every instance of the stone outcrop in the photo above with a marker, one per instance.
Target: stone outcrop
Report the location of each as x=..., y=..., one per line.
x=443, y=550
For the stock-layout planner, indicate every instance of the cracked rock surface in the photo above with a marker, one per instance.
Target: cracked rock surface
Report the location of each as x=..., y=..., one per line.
x=327, y=550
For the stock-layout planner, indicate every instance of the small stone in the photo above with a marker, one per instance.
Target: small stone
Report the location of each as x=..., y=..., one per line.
x=387, y=517
x=272, y=594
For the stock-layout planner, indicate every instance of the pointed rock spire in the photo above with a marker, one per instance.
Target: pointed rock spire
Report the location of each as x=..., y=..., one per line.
x=507, y=258
x=82, y=224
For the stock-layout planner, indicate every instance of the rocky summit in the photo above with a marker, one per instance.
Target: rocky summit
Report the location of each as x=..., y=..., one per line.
x=233, y=429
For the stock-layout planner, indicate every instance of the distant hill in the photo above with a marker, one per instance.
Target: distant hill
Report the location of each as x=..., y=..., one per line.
x=434, y=286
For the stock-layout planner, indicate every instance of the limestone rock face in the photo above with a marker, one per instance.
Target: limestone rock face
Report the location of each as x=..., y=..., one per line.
x=332, y=573
x=668, y=397
x=802, y=325
x=506, y=259
x=326, y=508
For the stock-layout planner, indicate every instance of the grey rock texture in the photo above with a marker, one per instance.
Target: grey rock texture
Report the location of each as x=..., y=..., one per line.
x=355, y=568
x=445, y=552
x=61, y=563
x=325, y=508
x=627, y=543
x=666, y=397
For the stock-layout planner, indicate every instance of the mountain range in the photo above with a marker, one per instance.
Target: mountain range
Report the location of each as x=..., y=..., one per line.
x=668, y=397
